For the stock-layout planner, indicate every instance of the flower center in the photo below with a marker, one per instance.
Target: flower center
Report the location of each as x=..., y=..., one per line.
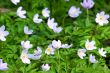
x=24, y=56
x=101, y=18
x=89, y=46
x=49, y=49
x=80, y=52
x=75, y=11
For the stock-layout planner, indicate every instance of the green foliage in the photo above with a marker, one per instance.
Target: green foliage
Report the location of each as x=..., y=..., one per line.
x=74, y=31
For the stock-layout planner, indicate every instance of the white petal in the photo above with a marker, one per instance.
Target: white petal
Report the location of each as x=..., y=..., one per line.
x=21, y=13
x=2, y=38
x=57, y=29
x=6, y=33
x=46, y=12
x=15, y=1
x=36, y=19
x=74, y=12
x=27, y=31
x=2, y=28
x=45, y=67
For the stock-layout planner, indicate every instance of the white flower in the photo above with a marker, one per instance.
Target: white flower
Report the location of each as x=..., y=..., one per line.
x=27, y=31
x=56, y=44
x=45, y=67
x=3, y=33
x=88, y=4
x=81, y=53
x=36, y=19
x=46, y=12
x=102, y=52
x=92, y=59
x=67, y=0
x=74, y=12
x=51, y=24
x=66, y=46
x=3, y=66
x=15, y=1
x=24, y=57
x=57, y=29
x=50, y=50
x=36, y=55
x=102, y=18
x=90, y=45
x=21, y=13
x=26, y=44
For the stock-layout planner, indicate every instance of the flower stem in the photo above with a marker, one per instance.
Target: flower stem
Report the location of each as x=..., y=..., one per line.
x=66, y=63
x=87, y=17
x=24, y=70
x=26, y=37
x=58, y=61
x=63, y=21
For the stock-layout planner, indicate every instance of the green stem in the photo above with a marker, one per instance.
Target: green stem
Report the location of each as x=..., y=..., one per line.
x=66, y=63
x=24, y=70
x=26, y=37
x=87, y=17
x=58, y=61
x=63, y=21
